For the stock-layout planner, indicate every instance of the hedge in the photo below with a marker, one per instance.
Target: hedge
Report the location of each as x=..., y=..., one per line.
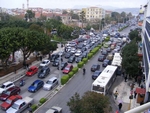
x=90, y=55
x=42, y=100
x=85, y=60
x=107, y=38
x=80, y=64
x=34, y=107
x=64, y=79
x=75, y=69
x=70, y=74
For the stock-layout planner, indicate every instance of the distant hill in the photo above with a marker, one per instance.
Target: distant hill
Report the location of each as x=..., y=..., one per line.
x=134, y=11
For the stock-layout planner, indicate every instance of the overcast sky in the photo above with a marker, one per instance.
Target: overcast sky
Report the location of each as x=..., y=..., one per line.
x=72, y=3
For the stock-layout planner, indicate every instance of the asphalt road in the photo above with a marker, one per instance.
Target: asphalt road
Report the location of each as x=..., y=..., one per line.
x=80, y=84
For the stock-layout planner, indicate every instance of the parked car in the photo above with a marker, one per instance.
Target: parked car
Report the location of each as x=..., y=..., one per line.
x=96, y=74
x=44, y=72
x=9, y=92
x=95, y=67
x=78, y=53
x=9, y=102
x=101, y=58
x=84, y=54
x=68, y=54
x=73, y=50
x=32, y=70
x=51, y=83
x=20, y=105
x=63, y=65
x=6, y=86
x=53, y=57
x=104, y=52
x=67, y=69
x=106, y=62
x=45, y=63
x=36, y=85
x=71, y=59
x=108, y=49
x=79, y=59
x=56, y=62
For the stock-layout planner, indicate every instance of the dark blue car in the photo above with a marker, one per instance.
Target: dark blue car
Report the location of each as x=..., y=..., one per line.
x=96, y=74
x=35, y=86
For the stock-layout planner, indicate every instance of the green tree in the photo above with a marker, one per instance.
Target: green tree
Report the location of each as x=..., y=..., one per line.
x=29, y=15
x=135, y=34
x=64, y=12
x=36, y=28
x=73, y=15
x=82, y=17
x=91, y=102
x=130, y=60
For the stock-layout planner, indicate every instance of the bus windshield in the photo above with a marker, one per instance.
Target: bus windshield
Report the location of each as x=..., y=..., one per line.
x=98, y=88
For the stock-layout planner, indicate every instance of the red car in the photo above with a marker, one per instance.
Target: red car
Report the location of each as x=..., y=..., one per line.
x=9, y=92
x=67, y=69
x=32, y=70
x=8, y=103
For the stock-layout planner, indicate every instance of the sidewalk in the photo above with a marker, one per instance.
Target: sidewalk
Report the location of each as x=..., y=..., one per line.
x=124, y=92
x=21, y=72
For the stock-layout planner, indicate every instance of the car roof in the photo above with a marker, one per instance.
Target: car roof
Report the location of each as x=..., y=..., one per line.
x=53, y=78
x=8, y=82
x=46, y=60
x=12, y=88
x=18, y=102
x=69, y=65
x=37, y=81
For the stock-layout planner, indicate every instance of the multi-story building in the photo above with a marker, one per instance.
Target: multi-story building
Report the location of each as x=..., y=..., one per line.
x=146, y=49
x=94, y=13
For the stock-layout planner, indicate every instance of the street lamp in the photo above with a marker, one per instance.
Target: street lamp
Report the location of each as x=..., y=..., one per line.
x=59, y=47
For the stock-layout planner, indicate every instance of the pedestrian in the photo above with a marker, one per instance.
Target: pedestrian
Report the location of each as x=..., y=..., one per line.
x=120, y=106
x=135, y=94
x=132, y=86
x=15, y=71
x=116, y=95
x=40, y=57
x=139, y=79
x=125, y=78
x=27, y=66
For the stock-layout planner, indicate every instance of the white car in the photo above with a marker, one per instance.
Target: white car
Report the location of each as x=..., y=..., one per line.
x=54, y=109
x=73, y=50
x=51, y=83
x=45, y=63
x=78, y=53
x=6, y=86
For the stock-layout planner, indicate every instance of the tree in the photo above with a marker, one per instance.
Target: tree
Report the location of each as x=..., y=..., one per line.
x=73, y=16
x=130, y=60
x=91, y=102
x=36, y=28
x=29, y=15
x=135, y=34
x=82, y=17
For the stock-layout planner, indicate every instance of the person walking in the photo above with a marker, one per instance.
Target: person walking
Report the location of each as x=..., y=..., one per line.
x=116, y=95
x=84, y=70
x=135, y=94
x=120, y=106
x=125, y=78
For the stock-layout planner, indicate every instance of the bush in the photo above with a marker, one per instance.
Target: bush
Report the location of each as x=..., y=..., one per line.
x=34, y=107
x=85, y=60
x=75, y=70
x=90, y=55
x=107, y=38
x=99, y=46
x=70, y=74
x=42, y=100
x=64, y=79
x=80, y=64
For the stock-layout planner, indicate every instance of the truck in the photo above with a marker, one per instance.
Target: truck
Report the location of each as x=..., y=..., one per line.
x=54, y=109
x=20, y=105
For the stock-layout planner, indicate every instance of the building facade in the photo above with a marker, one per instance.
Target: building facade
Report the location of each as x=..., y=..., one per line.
x=146, y=50
x=94, y=13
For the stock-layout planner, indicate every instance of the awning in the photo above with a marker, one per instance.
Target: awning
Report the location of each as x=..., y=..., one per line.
x=140, y=91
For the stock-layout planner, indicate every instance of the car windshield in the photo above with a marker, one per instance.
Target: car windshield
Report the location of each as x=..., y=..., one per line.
x=6, y=92
x=15, y=106
x=8, y=101
x=67, y=68
x=96, y=72
x=49, y=82
x=30, y=70
x=43, y=62
x=43, y=71
x=101, y=56
x=3, y=86
x=34, y=85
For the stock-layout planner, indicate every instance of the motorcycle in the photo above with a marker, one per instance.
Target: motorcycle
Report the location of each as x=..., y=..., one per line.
x=22, y=82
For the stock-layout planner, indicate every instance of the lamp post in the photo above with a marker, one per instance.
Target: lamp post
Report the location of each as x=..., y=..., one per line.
x=59, y=47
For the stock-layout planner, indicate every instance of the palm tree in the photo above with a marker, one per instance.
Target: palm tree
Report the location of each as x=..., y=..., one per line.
x=82, y=17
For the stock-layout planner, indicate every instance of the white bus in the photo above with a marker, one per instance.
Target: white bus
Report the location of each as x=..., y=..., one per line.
x=117, y=60
x=105, y=80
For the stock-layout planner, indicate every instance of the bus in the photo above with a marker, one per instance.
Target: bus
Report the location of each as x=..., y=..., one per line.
x=105, y=80
x=117, y=60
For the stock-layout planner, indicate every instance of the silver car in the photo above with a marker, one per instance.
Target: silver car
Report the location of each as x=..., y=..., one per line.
x=51, y=83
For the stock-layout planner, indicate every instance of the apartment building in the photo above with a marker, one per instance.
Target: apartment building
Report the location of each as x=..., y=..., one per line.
x=146, y=49
x=94, y=13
